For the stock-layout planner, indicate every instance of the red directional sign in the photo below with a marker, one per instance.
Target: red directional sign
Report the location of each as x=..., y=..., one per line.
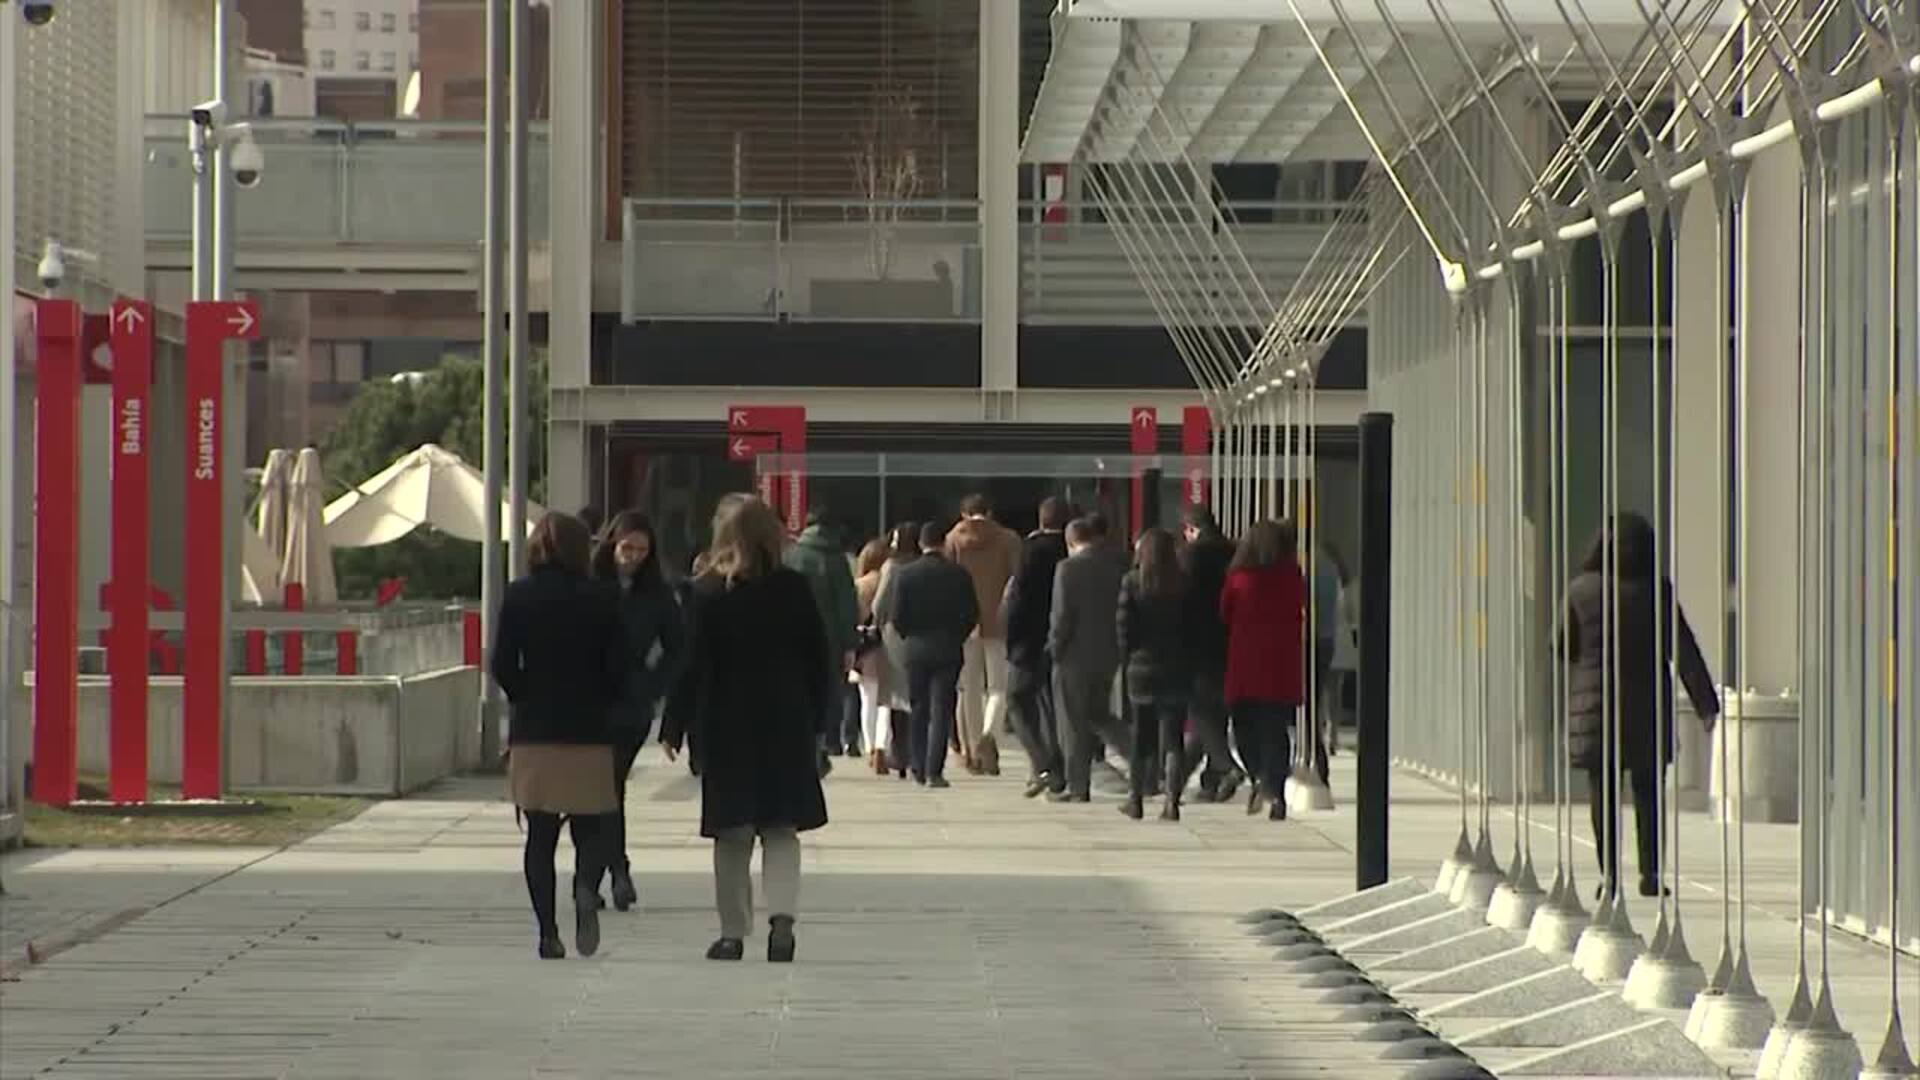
x=1196, y=439
x=56, y=547
x=131, y=522
x=210, y=325
x=1144, y=426
x=786, y=425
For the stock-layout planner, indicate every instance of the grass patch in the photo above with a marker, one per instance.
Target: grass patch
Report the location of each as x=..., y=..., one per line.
x=281, y=820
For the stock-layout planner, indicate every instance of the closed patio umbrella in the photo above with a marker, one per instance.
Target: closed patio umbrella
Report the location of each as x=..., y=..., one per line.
x=309, y=557
x=270, y=512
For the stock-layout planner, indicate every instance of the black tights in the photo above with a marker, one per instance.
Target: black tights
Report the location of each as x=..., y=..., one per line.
x=543, y=839
x=1642, y=784
x=625, y=750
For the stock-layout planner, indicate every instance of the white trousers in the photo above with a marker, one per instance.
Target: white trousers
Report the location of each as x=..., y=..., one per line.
x=983, y=690
x=876, y=718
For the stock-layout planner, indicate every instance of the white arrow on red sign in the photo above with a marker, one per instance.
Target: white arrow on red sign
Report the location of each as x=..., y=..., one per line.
x=242, y=321
x=737, y=418
x=1143, y=417
x=129, y=316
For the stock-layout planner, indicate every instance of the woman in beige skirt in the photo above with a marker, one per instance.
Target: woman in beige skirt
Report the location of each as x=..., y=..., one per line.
x=560, y=656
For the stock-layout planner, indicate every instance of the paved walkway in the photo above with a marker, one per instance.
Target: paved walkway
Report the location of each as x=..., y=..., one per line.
x=965, y=933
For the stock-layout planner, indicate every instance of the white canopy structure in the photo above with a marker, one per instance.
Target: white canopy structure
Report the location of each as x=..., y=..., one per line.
x=429, y=486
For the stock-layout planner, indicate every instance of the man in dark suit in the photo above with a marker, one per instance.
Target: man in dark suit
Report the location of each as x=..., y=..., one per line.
x=1084, y=644
x=1028, y=611
x=1205, y=561
x=931, y=604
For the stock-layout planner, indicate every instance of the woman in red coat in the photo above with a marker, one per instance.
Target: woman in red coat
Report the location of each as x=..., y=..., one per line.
x=1264, y=607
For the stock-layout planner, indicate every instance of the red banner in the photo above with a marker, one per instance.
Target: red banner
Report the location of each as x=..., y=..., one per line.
x=131, y=523
x=56, y=547
x=1143, y=425
x=210, y=325
x=1196, y=445
x=786, y=425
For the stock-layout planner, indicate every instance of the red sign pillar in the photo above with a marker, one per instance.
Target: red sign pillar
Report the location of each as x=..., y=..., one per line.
x=1196, y=445
x=56, y=549
x=1144, y=427
x=786, y=427
x=210, y=325
x=131, y=523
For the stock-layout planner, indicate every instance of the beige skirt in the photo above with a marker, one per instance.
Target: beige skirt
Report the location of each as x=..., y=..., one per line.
x=562, y=778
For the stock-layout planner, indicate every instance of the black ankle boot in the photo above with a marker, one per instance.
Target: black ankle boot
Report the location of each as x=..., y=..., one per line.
x=586, y=920
x=550, y=947
x=624, y=894
x=727, y=948
x=780, y=941
x=1132, y=807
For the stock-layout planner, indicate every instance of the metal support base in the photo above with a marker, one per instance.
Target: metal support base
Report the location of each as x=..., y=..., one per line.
x=1557, y=928
x=1731, y=1020
x=1514, y=905
x=1605, y=953
x=1306, y=793
x=1664, y=982
x=1457, y=862
x=1815, y=1053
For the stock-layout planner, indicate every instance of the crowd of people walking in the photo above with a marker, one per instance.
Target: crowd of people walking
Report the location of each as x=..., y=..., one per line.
x=1178, y=655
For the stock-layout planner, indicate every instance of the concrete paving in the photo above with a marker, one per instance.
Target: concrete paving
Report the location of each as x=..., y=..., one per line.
x=965, y=933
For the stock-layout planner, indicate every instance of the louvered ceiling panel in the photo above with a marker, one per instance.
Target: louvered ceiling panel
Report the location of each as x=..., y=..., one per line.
x=68, y=115
x=784, y=89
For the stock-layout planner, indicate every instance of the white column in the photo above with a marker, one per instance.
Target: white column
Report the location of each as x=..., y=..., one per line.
x=1696, y=450
x=574, y=229
x=999, y=195
x=14, y=423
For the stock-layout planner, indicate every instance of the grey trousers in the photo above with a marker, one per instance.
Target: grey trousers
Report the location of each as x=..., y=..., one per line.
x=733, y=875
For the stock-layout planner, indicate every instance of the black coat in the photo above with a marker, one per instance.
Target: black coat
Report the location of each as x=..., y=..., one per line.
x=560, y=655
x=652, y=616
x=1153, y=644
x=1205, y=561
x=751, y=701
x=1029, y=607
x=931, y=604
x=1590, y=682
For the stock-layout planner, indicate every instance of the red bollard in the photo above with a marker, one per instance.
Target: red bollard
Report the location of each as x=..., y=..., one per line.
x=346, y=646
x=475, y=648
x=256, y=652
x=292, y=643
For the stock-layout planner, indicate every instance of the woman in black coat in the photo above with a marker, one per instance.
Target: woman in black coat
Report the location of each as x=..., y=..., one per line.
x=1645, y=696
x=1152, y=622
x=626, y=557
x=560, y=656
x=752, y=701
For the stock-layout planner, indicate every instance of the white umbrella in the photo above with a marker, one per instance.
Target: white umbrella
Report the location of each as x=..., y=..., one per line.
x=270, y=513
x=428, y=486
x=259, y=570
x=309, y=558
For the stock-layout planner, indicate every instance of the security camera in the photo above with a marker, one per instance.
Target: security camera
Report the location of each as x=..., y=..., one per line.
x=249, y=164
x=52, y=270
x=37, y=12
x=210, y=114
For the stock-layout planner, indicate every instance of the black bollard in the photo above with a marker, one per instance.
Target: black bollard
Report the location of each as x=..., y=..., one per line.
x=1371, y=790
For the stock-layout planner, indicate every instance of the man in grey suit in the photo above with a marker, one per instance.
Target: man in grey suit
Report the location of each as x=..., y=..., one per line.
x=1084, y=643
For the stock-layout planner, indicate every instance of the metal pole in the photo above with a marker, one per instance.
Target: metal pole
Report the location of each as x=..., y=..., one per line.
x=492, y=556
x=221, y=282
x=233, y=380
x=1372, y=787
x=8, y=416
x=518, y=420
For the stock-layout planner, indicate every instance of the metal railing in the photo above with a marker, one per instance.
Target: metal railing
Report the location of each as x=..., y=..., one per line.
x=810, y=259
x=394, y=183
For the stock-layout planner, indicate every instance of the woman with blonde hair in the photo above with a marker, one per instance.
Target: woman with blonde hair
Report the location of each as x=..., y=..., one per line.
x=875, y=671
x=750, y=706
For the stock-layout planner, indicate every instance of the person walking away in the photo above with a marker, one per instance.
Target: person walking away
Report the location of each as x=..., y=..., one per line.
x=903, y=547
x=627, y=557
x=1114, y=739
x=1204, y=562
x=751, y=704
x=561, y=657
x=1647, y=613
x=817, y=555
x=1158, y=671
x=1028, y=611
x=1264, y=608
x=1086, y=653
x=874, y=669
x=1329, y=571
x=930, y=604
x=990, y=554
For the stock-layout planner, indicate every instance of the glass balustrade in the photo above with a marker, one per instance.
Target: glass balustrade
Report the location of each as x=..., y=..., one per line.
x=393, y=184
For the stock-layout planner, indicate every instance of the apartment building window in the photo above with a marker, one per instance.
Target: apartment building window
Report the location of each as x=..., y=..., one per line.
x=388, y=22
x=386, y=60
x=363, y=20
x=413, y=22
x=327, y=59
x=362, y=61
x=323, y=19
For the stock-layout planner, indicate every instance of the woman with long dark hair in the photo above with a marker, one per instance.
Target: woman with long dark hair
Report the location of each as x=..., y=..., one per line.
x=627, y=557
x=1647, y=613
x=903, y=547
x=1264, y=605
x=1159, y=673
x=752, y=702
x=560, y=655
